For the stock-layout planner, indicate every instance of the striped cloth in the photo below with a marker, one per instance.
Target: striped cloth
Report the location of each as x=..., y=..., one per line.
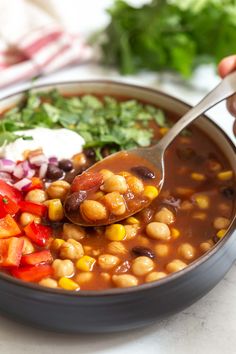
x=39, y=52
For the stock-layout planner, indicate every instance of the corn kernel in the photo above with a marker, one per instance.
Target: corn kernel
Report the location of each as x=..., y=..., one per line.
x=150, y=192
x=68, y=284
x=225, y=175
x=132, y=220
x=175, y=233
x=184, y=192
x=124, y=174
x=55, y=210
x=56, y=244
x=115, y=232
x=98, y=195
x=198, y=177
x=163, y=130
x=221, y=233
x=85, y=263
x=202, y=201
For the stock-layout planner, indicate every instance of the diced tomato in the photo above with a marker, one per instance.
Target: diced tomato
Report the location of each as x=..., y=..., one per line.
x=33, y=208
x=11, y=192
x=33, y=273
x=7, y=206
x=11, y=251
x=36, y=184
x=44, y=256
x=38, y=233
x=8, y=227
x=86, y=181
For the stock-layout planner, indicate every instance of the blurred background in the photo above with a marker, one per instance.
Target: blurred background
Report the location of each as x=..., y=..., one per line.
x=172, y=45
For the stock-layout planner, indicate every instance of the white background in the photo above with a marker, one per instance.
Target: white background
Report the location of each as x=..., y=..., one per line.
x=208, y=326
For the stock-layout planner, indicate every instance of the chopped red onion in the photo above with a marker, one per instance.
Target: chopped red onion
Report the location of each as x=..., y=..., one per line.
x=43, y=170
x=30, y=173
x=38, y=160
x=22, y=184
x=5, y=176
x=53, y=160
x=19, y=171
x=7, y=165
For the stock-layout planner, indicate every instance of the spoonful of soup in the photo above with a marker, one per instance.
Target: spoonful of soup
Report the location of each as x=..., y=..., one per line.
x=124, y=183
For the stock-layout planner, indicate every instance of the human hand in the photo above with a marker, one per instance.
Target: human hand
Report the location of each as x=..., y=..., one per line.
x=226, y=66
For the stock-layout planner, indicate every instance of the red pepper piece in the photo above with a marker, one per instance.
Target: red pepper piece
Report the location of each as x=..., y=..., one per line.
x=38, y=233
x=7, y=206
x=36, y=184
x=8, y=227
x=33, y=208
x=44, y=256
x=86, y=181
x=33, y=273
x=11, y=192
x=11, y=251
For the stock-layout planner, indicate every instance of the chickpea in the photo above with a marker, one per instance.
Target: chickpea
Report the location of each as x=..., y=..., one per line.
x=221, y=223
x=206, y=246
x=131, y=231
x=153, y=276
x=48, y=282
x=158, y=231
x=117, y=247
x=124, y=280
x=135, y=184
x=28, y=246
x=161, y=250
x=63, y=268
x=73, y=231
x=115, y=203
x=175, y=266
x=58, y=189
x=186, y=205
x=186, y=251
x=142, y=265
x=71, y=249
x=79, y=160
x=36, y=196
x=115, y=183
x=165, y=216
x=93, y=210
x=84, y=277
x=108, y=261
x=27, y=218
x=105, y=276
x=143, y=241
x=106, y=174
x=120, y=211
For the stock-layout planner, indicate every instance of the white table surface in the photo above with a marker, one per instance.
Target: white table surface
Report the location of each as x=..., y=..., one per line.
x=208, y=326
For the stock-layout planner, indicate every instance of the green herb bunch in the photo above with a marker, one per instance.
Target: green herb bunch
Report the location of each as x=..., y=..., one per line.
x=175, y=35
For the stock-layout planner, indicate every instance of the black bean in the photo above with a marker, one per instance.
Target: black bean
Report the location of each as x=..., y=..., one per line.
x=74, y=200
x=66, y=165
x=53, y=172
x=186, y=153
x=89, y=152
x=143, y=251
x=228, y=192
x=143, y=172
x=215, y=239
x=105, y=151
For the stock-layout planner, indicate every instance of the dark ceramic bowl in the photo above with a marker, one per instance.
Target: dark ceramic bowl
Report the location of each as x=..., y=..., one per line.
x=121, y=309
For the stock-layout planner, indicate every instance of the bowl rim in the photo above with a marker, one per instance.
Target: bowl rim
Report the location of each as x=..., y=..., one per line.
x=142, y=287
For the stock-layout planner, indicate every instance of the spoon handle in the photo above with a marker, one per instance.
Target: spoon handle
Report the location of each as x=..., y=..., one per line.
x=224, y=89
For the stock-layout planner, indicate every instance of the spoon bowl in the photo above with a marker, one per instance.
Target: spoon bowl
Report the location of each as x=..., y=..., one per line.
x=152, y=157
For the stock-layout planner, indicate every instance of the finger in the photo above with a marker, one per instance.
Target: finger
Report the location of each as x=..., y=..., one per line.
x=231, y=105
x=227, y=65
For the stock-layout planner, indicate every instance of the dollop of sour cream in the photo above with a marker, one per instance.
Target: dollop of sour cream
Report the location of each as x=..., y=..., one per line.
x=61, y=143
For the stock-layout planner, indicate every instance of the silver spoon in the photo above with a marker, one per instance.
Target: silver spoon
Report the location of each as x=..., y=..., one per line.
x=155, y=155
